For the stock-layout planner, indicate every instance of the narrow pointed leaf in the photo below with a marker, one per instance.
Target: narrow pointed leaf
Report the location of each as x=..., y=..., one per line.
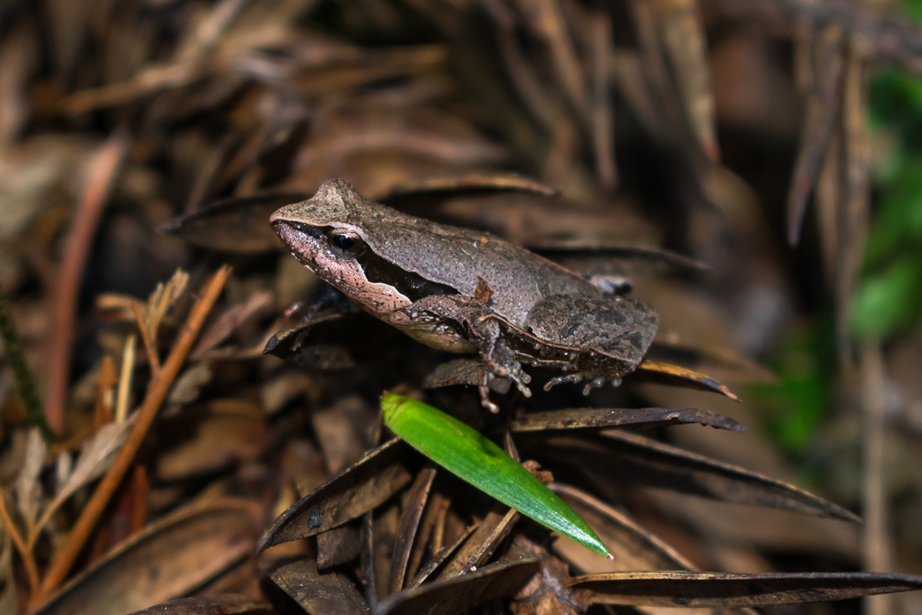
x=652, y=464
x=676, y=375
x=556, y=421
x=730, y=590
x=239, y=225
x=472, y=457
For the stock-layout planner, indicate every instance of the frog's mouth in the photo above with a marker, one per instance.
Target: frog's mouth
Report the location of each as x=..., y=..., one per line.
x=310, y=245
x=302, y=240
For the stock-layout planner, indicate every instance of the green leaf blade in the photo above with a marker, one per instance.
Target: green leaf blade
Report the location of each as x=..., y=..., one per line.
x=475, y=459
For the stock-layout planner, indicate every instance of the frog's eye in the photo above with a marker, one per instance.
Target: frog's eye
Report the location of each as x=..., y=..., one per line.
x=346, y=241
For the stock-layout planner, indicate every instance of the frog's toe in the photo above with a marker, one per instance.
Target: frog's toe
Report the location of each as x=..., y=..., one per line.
x=489, y=405
x=562, y=380
x=593, y=384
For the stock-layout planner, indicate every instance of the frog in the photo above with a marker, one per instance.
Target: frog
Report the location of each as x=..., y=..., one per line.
x=465, y=291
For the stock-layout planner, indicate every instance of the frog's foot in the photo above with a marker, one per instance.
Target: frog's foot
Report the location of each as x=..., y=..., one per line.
x=499, y=360
x=596, y=382
x=516, y=375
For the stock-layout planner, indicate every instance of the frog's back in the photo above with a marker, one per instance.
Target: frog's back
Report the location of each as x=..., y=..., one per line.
x=457, y=257
x=452, y=256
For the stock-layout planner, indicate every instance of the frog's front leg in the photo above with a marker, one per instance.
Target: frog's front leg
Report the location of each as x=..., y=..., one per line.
x=498, y=359
x=464, y=324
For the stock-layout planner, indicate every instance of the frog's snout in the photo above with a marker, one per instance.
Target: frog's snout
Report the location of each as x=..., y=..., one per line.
x=283, y=214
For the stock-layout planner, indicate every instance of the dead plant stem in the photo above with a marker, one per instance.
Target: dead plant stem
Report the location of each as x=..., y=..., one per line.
x=25, y=552
x=100, y=180
x=157, y=391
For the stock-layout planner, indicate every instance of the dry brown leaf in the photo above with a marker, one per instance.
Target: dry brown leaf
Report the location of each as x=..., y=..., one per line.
x=166, y=560
x=28, y=489
x=95, y=457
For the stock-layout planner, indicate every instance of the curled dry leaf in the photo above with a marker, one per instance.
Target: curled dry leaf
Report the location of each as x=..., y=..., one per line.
x=339, y=545
x=354, y=491
x=335, y=342
x=228, y=321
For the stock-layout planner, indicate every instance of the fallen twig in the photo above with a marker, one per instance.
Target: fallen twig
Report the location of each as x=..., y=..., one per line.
x=157, y=391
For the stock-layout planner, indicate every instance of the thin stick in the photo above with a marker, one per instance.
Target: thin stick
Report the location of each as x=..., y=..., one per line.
x=877, y=547
x=100, y=180
x=125, y=378
x=157, y=391
x=24, y=551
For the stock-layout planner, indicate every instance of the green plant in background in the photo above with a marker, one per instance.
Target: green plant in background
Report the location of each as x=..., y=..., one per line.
x=888, y=298
x=805, y=365
x=889, y=295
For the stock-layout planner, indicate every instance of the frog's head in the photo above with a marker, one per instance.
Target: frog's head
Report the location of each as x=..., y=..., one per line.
x=327, y=235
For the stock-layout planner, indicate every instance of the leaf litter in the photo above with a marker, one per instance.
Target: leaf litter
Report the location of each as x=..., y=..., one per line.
x=504, y=117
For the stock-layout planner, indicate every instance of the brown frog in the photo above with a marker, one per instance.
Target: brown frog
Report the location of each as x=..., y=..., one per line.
x=465, y=291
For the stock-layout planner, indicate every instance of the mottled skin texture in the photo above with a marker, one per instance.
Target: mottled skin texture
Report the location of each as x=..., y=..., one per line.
x=465, y=291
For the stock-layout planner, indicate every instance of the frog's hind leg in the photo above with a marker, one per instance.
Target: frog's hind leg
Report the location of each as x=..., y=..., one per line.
x=608, y=335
